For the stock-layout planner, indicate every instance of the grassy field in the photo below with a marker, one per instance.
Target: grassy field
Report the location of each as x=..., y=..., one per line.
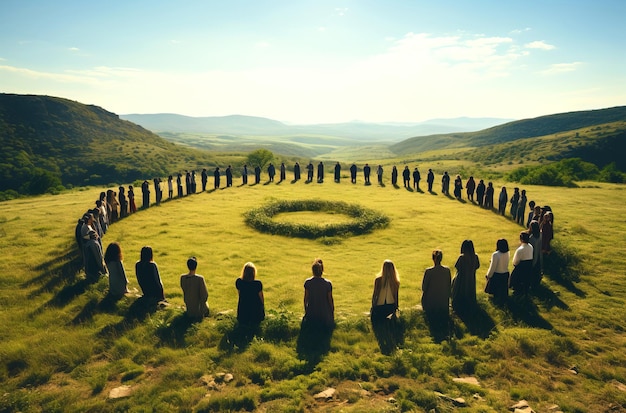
x=64, y=345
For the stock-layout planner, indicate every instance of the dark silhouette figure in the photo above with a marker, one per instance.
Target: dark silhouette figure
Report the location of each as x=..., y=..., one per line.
x=283, y=172
x=257, y=174
x=416, y=179
x=480, y=193
x=229, y=176
x=204, y=178
x=296, y=172
x=489, y=196
x=216, y=177
x=145, y=193
x=244, y=175
x=366, y=173
x=406, y=177
x=271, y=172
x=309, y=170
x=394, y=176
x=353, y=173
x=445, y=183
x=337, y=172
x=320, y=172
x=430, y=179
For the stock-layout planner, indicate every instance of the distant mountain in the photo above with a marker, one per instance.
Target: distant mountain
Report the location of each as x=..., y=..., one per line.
x=47, y=142
x=239, y=125
x=521, y=129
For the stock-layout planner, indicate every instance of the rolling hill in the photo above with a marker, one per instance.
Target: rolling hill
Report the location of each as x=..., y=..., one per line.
x=48, y=141
x=522, y=129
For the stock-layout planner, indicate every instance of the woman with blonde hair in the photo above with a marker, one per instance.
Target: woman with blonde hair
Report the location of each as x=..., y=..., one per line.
x=251, y=305
x=385, y=296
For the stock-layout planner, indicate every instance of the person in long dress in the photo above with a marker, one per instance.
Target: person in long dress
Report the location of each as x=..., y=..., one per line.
x=436, y=287
x=464, y=283
x=319, y=306
x=498, y=272
x=251, y=303
x=118, y=282
x=195, y=292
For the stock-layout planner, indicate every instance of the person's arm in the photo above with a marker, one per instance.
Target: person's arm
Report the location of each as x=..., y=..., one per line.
x=492, y=265
x=306, y=299
x=331, y=302
x=516, y=258
x=204, y=294
x=375, y=292
x=261, y=297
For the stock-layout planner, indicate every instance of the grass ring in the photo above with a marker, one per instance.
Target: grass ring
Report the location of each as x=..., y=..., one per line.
x=363, y=220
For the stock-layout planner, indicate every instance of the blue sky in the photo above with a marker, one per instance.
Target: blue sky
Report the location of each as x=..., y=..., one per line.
x=319, y=61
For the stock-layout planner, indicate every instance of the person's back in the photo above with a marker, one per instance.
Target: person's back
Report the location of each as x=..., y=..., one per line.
x=318, y=300
x=436, y=287
x=148, y=276
x=250, y=306
x=195, y=293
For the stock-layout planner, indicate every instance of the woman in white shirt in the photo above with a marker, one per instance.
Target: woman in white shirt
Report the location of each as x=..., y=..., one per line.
x=523, y=263
x=498, y=272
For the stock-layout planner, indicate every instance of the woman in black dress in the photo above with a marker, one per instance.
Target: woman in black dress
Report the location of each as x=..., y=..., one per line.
x=251, y=305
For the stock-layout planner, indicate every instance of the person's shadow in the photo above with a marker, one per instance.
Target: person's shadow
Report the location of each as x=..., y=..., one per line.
x=476, y=319
x=313, y=341
x=239, y=337
x=389, y=333
x=439, y=325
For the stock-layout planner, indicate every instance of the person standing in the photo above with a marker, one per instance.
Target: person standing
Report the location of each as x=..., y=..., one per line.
x=195, y=293
x=187, y=182
x=320, y=172
x=480, y=193
x=406, y=177
x=216, y=178
x=521, y=208
x=179, y=184
x=379, y=173
x=366, y=174
x=131, y=199
x=257, y=174
x=445, y=183
x=394, y=176
x=170, y=187
x=229, y=176
x=123, y=202
x=464, y=283
x=515, y=198
x=353, y=173
x=458, y=187
x=337, y=172
x=193, y=182
x=503, y=199
x=296, y=171
x=148, y=276
x=489, y=196
x=309, y=170
x=204, y=176
x=118, y=282
x=498, y=272
x=244, y=175
x=430, y=180
x=94, y=259
x=470, y=187
x=145, y=194
x=283, y=172
x=251, y=303
x=385, y=295
x=436, y=288
x=416, y=179
x=523, y=264
x=319, y=306
x=271, y=171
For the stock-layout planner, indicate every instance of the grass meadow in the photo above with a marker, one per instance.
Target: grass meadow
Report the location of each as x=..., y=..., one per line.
x=64, y=345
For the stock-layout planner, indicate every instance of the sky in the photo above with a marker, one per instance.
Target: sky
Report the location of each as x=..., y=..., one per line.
x=319, y=61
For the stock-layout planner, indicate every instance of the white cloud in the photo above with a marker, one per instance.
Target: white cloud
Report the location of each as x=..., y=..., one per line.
x=520, y=31
x=539, y=44
x=341, y=11
x=74, y=49
x=561, y=68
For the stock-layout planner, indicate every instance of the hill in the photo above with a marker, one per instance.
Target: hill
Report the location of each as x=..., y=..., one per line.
x=512, y=131
x=48, y=141
x=355, y=131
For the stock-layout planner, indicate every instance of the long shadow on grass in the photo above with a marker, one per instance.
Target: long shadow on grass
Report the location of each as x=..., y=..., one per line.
x=477, y=321
x=173, y=333
x=137, y=312
x=389, y=333
x=106, y=305
x=439, y=325
x=56, y=271
x=562, y=266
x=239, y=337
x=548, y=298
x=313, y=342
x=523, y=309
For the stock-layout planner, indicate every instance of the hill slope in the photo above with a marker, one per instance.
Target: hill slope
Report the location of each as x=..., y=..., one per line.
x=49, y=141
x=527, y=128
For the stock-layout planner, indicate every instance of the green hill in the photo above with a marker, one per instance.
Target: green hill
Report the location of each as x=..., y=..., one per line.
x=48, y=142
x=513, y=131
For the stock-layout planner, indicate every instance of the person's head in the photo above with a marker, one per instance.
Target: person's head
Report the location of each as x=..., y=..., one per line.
x=248, y=272
x=388, y=272
x=102, y=196
x=467, y=247
x=534, y=229
x=88, y=218
x=547, y=216
x=113, y=252
x=146, y=254
x=192, y=263
x=523, y=192
x=96, y=213
x=317, y=268
x=502, y=245
x=490, y=184
x=121, y=188
x=537, y=210
x=531, y=205
x=524, y=237
x=437, y=256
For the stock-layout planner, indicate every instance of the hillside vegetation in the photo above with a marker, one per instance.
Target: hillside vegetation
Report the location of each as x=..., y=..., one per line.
x=65, y=346
x=50, y=142
x=522, y=129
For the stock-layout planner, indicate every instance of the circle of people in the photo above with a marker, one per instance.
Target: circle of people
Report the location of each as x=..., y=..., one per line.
x=439, y=288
